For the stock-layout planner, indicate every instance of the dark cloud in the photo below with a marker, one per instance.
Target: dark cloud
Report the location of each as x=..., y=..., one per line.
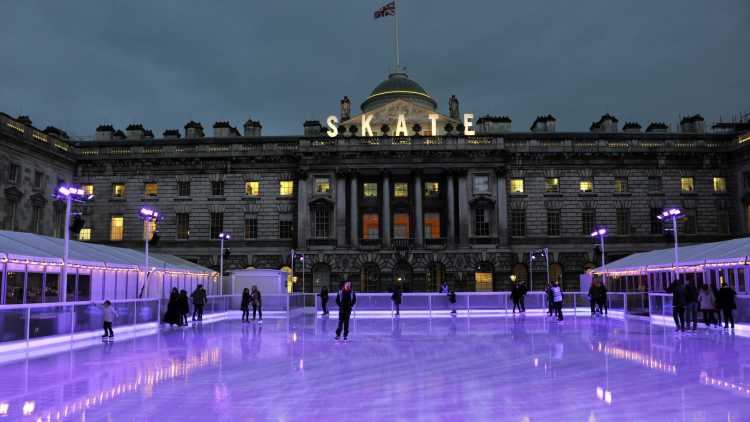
x=78, y=64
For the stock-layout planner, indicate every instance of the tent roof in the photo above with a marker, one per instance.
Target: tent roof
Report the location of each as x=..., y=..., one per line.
x=724, y=253
x=38, y=248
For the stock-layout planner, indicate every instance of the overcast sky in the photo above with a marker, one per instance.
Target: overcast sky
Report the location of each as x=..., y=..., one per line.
x=79, y=64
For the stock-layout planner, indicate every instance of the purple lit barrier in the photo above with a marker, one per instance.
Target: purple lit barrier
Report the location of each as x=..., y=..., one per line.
x=660, y=305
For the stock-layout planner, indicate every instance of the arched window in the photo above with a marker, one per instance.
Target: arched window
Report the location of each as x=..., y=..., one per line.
x=520, y=272
x=436, y=276
x=322, y=277
x=483, y=277
x=555, y=273
x=369, y=277
x=402, y=274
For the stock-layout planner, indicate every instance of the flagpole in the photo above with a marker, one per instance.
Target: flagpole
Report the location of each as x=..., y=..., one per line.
x=395, y=29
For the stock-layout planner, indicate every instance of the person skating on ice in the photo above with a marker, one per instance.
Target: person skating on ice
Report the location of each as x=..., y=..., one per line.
x=345, y=299
x=557, y=299
x=184, y=307
x=324, y=299
x=108, y=316
x=257, y=303
x=396, y=298
x=245, y=305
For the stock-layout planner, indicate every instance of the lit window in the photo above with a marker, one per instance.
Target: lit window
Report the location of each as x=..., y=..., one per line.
x=322, y=185
x=401, y=225
x=720, y=184
x=84, y=235
x=587, y=185
x=401, y=190
x=686, y=184
x=118, y=190
x=88, y=188
x=621, y=184
x=252, y=188
x=432, y=225
x=432, y=189
x=370, y=226
x=516, y=185
x=286, y=188
x=151, y=189
x=481, y=183
x=151, y=230
x=370, y=190
x=484, y=281
x=117, y=226
x=552, y=185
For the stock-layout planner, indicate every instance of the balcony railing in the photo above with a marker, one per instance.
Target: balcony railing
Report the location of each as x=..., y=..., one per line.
x=370, y=243
x=402, y=244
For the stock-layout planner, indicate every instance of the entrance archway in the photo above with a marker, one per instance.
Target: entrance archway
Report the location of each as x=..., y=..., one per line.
x=435, y=277
x=483, y=277
x=322, y=277
x=402, y=274
x=369, y=277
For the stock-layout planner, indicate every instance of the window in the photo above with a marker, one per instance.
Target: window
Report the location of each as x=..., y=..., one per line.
x=401, y=225
x=432, y=225
x=654, y=183
x=483, y=281
x=588, y=221
x=516, y=185
x=183, y=188
x=252, y=188
x=217, y=224
x=370, y=190
x=51, y=288
x=518, y=222
x=151, y=189
x=657, y=226
x=34, y=287
x=690, y=221
x=10, y=217
x=88, y=188
x=623, y=221
x=217, y=188
x=13, y=172
x=58, y=217
x=370, y=226
x=84, y=235
x=322, y=185
x=432, y=189
x=183, y=225
x=553, y=222
x=251, y=226
x=285, y=227
x=38, y=177
x=586, y=185
x=552, y=185
x=14, y=288
x=723, y=216
x=720, y=184
x=481, y=222
x=321, y=223
x=621, y=184
x=36, y=219
x=401, y=190
x=686, y=185
x=116, y=228
x=286, y=187
x=152, y=228
x=481, y=183
x=118, y=190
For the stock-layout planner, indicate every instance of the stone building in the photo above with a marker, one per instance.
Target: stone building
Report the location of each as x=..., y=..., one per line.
x=431, y=206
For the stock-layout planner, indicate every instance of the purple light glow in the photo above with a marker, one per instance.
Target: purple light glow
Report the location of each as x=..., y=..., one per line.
x=225, y=236
x=149, y=214
x=75, y=192
x=599, y=232
x=670, y=213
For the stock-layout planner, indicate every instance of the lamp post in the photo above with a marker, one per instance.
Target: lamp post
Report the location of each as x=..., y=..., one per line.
x=69, y=194
x=148, y=215
x=222, y=236
x=601, y=232
x=673, y=214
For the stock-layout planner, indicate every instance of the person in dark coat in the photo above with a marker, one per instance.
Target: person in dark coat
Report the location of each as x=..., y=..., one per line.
x=324, y=299
x=396, y=298
x=257, y=303
x=444, y=288
x=345, y=299
x=245, y=305
x=452, y=300
x=515, y=295
x=691, y=306
x=594, y=294
x=727, y=303
x=172, y=316
x=184, y=307
x=199, y=301
x=603, y=302
x=550, y=300
x=679, y=300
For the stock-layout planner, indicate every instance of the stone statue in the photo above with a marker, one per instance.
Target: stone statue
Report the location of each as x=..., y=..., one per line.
x=346, y=109
x=453, y=107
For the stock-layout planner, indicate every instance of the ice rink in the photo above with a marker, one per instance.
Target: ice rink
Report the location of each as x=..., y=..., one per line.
x=412, y=368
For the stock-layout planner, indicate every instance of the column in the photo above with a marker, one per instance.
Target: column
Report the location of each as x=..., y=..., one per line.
x=463, y=211
x=303, y=212
x=354, y=210
x=451, y=211
x=502, y=208
x=418, y=213
x=386, y=217
x=746, y=274
x=341, y=210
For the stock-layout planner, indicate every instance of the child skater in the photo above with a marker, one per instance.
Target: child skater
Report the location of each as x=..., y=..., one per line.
x=109, y=316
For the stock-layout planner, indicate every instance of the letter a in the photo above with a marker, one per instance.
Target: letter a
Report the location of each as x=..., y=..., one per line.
x=366, y=129
x=401, y=126
x=333, y=131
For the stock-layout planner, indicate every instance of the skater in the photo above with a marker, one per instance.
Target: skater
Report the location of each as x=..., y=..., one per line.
x=396, y=298
x=594, y=294
x=245, y=305
x=324, y=299
x=522, y=297
x=184, y=307
x=727, y=304
x=603, y=302
x=444, y=288
x=717, y=308
x=257, y=303
x=199, y=300
x=172, y=316
x=707, y=302
x=557, y=298
x=515, y=296
x=109, y=315
x=691, y=306
x=550, y=300
x=678, y=303
x=346, y=299
x=452, y=300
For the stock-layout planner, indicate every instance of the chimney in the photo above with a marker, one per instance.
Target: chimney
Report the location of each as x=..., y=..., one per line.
x=222, y=129
x=252, y=128
x=453, y=108
x=631, y=127
x=607, y=124
x=313, y=128
x=692, y=124
x=171, y=134
x=493, y=124
x=118, y=136
x=193, y=130
x=148, y=134
x=26, y=120
x=135, y=131
x=51, y=130
x=104, y=133
x=657, y=127
x=544, y=124
x=346, y=109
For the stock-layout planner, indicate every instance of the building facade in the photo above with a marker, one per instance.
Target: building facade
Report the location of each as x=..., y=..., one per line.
x=418, y=209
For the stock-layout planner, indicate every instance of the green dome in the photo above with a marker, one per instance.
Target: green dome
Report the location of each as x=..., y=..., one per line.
x=398, y=86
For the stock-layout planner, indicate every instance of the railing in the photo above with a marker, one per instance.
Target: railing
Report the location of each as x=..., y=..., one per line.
x=660, y=305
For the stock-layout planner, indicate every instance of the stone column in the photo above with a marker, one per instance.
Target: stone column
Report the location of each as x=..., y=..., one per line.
x=502, y=207
x=386, y=210
x=451, y=210
x=354, y=210
x=418, y=213
x=464, y=217
x=341, y=210
x=303, y=211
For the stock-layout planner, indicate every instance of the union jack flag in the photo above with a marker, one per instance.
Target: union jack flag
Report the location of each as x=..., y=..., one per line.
x=387, y=10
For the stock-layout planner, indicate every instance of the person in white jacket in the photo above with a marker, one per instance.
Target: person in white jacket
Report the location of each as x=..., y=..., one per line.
x=108, y=316
x=706, y=300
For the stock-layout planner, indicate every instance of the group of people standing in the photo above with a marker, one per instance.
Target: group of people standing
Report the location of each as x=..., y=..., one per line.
x=598, y=298
x=251, y=297
x=178, y=307
x=714, y=303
